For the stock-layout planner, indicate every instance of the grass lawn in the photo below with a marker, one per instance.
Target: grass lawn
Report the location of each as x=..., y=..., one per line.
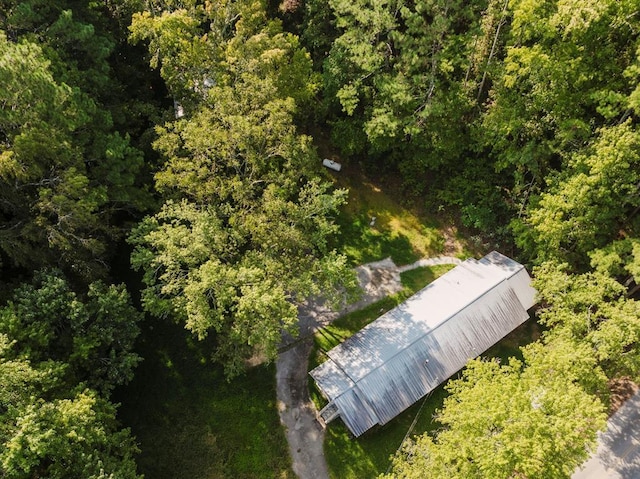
x=399, y=232
x=369, y=455
x=191, y=423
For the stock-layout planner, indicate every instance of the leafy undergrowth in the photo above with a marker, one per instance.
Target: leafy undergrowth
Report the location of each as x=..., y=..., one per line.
x=191, y=423
x=369, y=455
x=397, y=231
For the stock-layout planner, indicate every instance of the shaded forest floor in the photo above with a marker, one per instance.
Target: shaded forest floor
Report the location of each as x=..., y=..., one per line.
x=191, y=423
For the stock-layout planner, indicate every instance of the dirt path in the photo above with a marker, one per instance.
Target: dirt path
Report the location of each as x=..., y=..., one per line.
x=304, y=434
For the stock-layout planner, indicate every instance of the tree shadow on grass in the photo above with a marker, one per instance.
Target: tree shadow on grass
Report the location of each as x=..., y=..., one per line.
x=363, y=243
x=190, y=422
x=370, y=454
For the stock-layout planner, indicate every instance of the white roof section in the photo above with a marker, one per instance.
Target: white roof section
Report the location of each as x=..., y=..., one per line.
x=397, y=359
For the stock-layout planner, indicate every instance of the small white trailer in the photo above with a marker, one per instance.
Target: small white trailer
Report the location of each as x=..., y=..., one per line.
x=333, y=165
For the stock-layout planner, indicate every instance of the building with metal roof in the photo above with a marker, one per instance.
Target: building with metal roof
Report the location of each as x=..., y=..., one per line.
x=403, y=355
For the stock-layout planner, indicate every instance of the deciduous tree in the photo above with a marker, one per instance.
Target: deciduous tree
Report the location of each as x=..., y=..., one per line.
x=587, y=204
x=245, y=231
x=562, y=77
x=93, y=336
x=64, y=438
x=522, y=419
x=592, y=309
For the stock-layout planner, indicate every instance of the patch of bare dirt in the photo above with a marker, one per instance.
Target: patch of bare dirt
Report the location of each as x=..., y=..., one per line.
x=620, y=389
x=452, y=244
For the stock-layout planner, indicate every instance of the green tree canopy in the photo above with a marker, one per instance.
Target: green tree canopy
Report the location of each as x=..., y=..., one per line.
x=93, y=336
x=69, y=175
x=50, y=428
x=588, y=203
x=562, y=76
x=522, y=419
x=620, y=260
x=538, y=417
x=64, y=438
x=240, y=276
x=61, y=180
x=592, y=309
x=244, y=233
x=21, y=383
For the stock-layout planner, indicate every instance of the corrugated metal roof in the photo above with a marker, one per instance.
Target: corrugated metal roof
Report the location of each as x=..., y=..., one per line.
x=397, y=359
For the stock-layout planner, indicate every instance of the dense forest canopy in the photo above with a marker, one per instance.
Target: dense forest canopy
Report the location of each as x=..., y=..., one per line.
x=181, y=131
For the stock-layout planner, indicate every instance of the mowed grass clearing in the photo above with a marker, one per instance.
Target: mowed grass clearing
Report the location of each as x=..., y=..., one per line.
x=398, y=232
x=191, y=423
x=368, y=456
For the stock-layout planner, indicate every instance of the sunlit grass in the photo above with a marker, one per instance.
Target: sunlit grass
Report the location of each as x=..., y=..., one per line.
x=369, y=455
x=397, y=231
